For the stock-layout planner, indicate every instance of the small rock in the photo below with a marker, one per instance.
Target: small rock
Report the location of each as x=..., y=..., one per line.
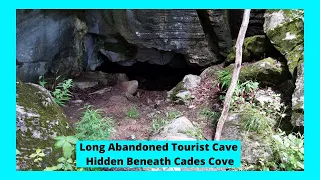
x=101, y=91
x=77, y=102
x=84, y=84
x=191, y=81
x=130, y=87
x=185, y=95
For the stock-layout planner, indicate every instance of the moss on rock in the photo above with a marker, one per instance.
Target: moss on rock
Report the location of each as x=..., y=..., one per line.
x=39, y=120
x=285, y=29
x=268, y=72
x=254, y=48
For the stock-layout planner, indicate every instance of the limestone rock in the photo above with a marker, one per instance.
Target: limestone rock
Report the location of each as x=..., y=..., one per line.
x=191, y=81
x=39, y=120
x=285, y=29
x=188, y=83
x=253, y=145
x=176, y=130
x=48, y=40
x=267, y=72
x=297, y=118
x=254, y=48
x=84, y=84
x=130, y=87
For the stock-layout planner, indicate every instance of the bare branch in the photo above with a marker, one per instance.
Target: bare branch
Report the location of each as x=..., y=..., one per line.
x=235, y=75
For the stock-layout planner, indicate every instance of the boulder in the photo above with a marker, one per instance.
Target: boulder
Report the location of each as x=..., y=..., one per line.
x=184, y=87
x=47, y=40
x=285, y=29
x=191, y=81
x=297, y=118
x=38, y=121
x=177, y=129
x=254, y=146
x=130, y=87
x=267, y=72
x=254, y=48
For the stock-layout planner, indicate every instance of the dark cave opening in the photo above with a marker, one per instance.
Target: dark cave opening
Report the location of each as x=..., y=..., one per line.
x=151, y=77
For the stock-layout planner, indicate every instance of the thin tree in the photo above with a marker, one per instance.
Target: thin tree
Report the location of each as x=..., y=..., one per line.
x=235, y=74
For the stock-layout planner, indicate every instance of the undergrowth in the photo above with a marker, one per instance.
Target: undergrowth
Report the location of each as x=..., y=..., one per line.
x=93, y=126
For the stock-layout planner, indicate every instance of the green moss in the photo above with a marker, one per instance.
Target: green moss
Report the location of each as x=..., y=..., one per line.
x=294, y=57
x=47, y=121
x=267, y=72
x=254, y=48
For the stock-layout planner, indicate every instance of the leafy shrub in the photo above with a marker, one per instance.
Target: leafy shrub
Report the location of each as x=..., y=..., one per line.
x=61, y=94
x=133, y=113
x=288, y=152
x=66, y=162
x=42, y=81
x=224, y=78
x=93, y=126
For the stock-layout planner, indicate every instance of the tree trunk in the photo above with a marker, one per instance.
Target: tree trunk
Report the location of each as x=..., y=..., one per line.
x=235, y=75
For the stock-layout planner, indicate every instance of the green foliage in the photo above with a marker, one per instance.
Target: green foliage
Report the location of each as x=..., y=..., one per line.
x=288, y=152
x=42, y=82
x=196, y=133
x=173, y=114
x=61, y=94
x=93, y=126
x=133, y=113
x=66, y=162
x=158, y=124
x=205, y=112
x=37, y=156
x=224, y=78
x=253, y=120
x=60, y=91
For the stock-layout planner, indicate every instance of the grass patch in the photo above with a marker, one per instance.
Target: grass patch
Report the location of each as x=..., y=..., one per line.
x=133, y=113
x=93, y=126
x=255, y=121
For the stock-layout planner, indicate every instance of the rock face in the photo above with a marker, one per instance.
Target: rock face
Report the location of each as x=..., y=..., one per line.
x=39, y=120
x=157, y=35
x=285, y=29
x=48, y=41
x=267, y=72
x=297, y=118
x=254, y=48
x=253, y=145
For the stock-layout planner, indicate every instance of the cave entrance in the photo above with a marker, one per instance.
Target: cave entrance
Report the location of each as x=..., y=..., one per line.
x=150, y=76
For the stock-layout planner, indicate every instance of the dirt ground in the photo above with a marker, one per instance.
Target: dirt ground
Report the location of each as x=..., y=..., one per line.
x=148, y=104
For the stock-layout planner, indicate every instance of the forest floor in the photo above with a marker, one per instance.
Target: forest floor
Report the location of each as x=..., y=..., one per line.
x=149, y=105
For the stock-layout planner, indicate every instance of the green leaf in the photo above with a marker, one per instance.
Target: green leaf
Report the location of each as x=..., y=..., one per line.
x=33, y=155
x=38, y=151
x=70, y=160
x=60, y=143
x=41, y=154
x=67, y=150
x=61, y=159
x=17, y=152
x=72, y=139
